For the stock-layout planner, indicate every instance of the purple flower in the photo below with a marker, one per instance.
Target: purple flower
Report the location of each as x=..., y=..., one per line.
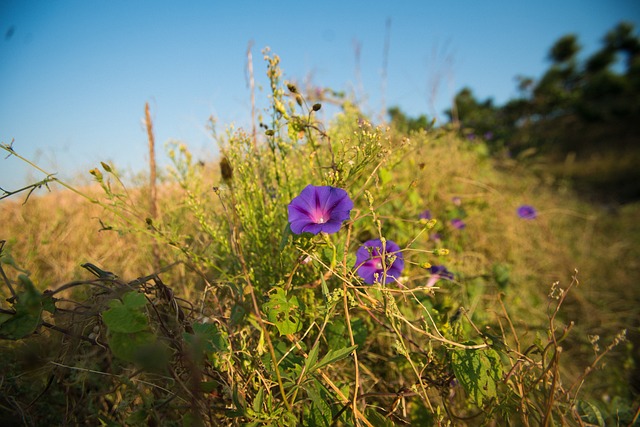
x=458, y=223
x=527, y=212
x=425, y=214
x=319, y=209
x=437, y=237
x=370, y=265
x=438, y=272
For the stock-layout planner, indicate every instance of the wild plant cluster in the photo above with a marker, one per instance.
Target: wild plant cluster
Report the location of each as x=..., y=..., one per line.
x=306, y=284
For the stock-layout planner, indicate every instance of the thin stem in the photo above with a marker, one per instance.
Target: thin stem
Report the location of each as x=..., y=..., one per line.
x=50, y=176
x=153, y=192
x=253, y=95
x=118, y=376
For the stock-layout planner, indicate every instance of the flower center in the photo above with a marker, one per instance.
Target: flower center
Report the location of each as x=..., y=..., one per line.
x=318, y=217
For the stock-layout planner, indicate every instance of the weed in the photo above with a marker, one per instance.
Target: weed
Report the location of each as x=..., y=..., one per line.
x=304, y=284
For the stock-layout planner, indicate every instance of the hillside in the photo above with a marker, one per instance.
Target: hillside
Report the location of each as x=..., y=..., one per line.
x=244, y=311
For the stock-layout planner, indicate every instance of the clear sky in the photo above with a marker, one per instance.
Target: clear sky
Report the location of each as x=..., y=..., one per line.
x=75, y=74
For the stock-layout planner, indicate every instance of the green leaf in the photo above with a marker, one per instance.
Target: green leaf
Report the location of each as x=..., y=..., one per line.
x=211, y=333
x=7, y=259
x=238, y=400
x=337, y=334
x=257, y=401
x=134, y=300
x=48, y=303
x=325, y=289
x=138, y=417
x=376, y=419
x=4, y=317
x=539, y=343
x=289, y=361
x=501, y=274
x=478, y=371
x=283, y=312
x=312, y=359
x=335, y=355
x=286, y=233
x=320, y=412
x=414, y=198
x=238, y=314
x=28, y=312
x=590, y=413
x=208, y=386
x=126, y=316
x=385, y=176
x=130, y=346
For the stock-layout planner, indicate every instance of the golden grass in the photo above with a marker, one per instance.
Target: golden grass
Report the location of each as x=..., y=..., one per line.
x=603, y=244
x=53, y=234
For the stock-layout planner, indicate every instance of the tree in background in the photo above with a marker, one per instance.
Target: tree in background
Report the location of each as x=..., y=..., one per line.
x=406, y=124
x=587, y=109
x=576, y=106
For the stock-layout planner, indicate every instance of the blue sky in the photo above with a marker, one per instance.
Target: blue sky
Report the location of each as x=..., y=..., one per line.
x=75, y=75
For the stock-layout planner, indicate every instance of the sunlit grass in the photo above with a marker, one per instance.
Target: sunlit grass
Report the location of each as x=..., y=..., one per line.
x=236, y=284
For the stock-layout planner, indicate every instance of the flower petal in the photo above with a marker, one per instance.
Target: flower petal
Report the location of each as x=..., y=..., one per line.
x=319, y=208
x=368, y=262
x=527, y=212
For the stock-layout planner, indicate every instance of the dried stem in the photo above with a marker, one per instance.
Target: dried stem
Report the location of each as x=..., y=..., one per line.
x=252, y=91
x=153, y=193
x=347, y=318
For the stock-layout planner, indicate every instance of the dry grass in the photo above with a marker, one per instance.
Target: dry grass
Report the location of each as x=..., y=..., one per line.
x=601, y=243
x=53, y=234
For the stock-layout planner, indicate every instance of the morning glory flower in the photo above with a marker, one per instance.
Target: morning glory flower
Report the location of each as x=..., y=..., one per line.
x=458, y=223
x=369, y=261
x=438, y=272
x=527, y=212
x=319, y=209
x=426, y=214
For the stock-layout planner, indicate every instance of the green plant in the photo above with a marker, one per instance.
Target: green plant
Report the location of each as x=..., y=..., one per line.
x=281, y=328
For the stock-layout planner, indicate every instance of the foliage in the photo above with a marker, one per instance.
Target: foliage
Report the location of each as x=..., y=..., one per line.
x=587, y=107
x=277, y=328
x=404, y=124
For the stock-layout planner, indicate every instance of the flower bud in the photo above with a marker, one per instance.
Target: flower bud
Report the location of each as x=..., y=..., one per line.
x=97, y=174
x=279, y=107
x=225, y=169
x=106, y=167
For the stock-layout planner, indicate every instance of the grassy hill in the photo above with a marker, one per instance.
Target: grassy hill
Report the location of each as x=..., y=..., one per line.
x=238, y=311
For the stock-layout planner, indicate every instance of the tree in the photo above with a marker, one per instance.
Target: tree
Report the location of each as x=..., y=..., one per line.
x=405, y=124
x=587, y=107
x=579, y=106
